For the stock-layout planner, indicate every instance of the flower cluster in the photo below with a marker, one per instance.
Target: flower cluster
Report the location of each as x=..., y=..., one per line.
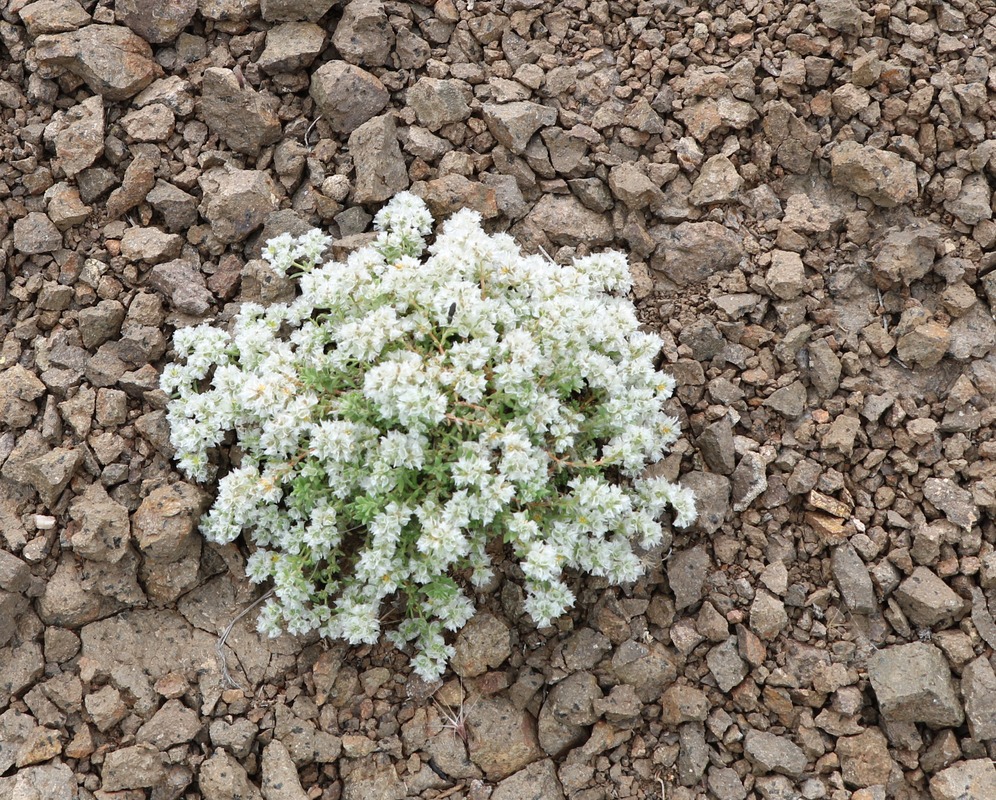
x=406, y=411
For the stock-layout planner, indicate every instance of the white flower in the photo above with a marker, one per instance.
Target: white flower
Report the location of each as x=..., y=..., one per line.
x=412, y=404
x=545, y=602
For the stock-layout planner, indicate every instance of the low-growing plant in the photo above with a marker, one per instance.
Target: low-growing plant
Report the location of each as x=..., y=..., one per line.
x=407, y=410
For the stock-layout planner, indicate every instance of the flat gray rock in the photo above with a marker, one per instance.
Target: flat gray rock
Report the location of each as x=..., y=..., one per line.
x=912, y=683
x=772, y=753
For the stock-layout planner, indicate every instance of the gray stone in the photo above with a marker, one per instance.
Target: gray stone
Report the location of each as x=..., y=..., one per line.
x=452, y=192
x=865, y=759
x=112, y=60
x=824, y=368
x=244, y=118
x=701, y=119
x=363, y=34
x=48, y=781
x=139, y=178
x=716, y=445
x=35, y=233
x=793, y=141
x=42, y=744
x=280, y=778
x=957, y=299
x=134, y=767
x=222, y=777
x=503, y=739
x=165, y=523
x=965, y=780
x=413, y=51
x=538, y=781
x=749, y=479
x=567, y=221
x=848, y=100
x=153, y=123
x=621, y=708
x=420, y=142
x=104, y=532
x=171, y=725
x=584, y=649
x=293, y=10
x=568, y=710
x=693, y=753
x=692, y=251
x=183, y=286
x=927, y=600
x=291, y=46
x=12, y=605
x=20, y=668
x=80, y=139
x=150, y=245
x=974, y=202
x=156, y=21
x=712, y=499
x=905, y=255
x=260, y=284
x=973, y=335
x=786, y=276
x=789, y=401
x=956, y=503
x=438, y=102
x=925, y=345
x=15, y=575
x=346, y=95
x=633, y=186
x=228, y=10
x=105, y=708
x=65, y=208
x=173, y=92
x=19, y=388
x=767, y=615
x=852, y=577
x=883, y=177
x=978, y=689
x=842, y=434
x=66, y=600
x=687, y=571
x=726, y=665
x=592, y=193
x=569, y=156
x=50, y=473
x=513, y=124
x=771, y=753
x=681, y=704
x=373, y=778
x=53, y=16
x=117, y=581
x=483, y=643
x=912, y=683
x=236, y=738
x=177, y=208
x=844, y=16
x=15, y=728
x=644, y=667
x=380, y=168
x=236, y=201
x=726, y=784
x=718, y=182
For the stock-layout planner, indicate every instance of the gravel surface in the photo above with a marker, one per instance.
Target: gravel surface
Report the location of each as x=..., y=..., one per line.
x=806, y=194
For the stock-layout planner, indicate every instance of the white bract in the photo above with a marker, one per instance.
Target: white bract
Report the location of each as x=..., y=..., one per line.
x=409, y=413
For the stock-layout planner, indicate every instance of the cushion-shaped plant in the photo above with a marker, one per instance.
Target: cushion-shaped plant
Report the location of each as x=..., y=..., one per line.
x=406, y=411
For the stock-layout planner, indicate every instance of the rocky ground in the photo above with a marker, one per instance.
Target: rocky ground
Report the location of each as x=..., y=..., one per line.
x=806, y=193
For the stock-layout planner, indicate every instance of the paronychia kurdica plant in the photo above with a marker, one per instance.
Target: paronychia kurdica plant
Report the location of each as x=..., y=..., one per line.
x=418, y=407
